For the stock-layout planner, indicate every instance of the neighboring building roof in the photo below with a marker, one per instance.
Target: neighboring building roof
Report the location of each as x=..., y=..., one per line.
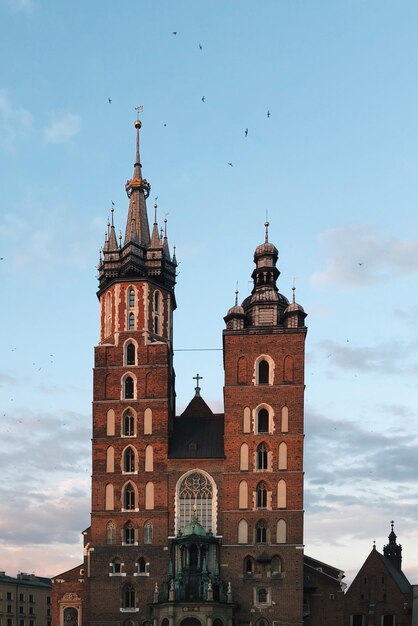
x=70, y=574
x=320, y=566
x=25, y=579
x=197, y=432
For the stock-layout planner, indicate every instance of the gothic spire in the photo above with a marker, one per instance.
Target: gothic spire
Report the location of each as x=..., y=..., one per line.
x=393, y=551
x=138, y=188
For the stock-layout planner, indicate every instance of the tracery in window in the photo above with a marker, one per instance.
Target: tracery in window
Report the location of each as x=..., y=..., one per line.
x=128, y=534
x=196, y=490
x=262, y=457
x=129, y=460
x=261, y=496
x=129, y=497
x=261, y=532
x=111, y=533
x=128, y=597
x=148, y=532
x=128, y=424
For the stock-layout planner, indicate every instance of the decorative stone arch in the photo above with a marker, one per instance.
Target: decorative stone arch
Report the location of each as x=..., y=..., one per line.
x=243, y=531
x=243, y=457
x=196, y=482
x=263, y=374
x=123, y=460
x=190, y=621
x=70, y=610
x=132, y=506
x=129, y=389
x=110, y=459
x=110, y=422
x=128, y=428
x=149, y=496
x=129, y=361
x=263, y=423
x=148, y=421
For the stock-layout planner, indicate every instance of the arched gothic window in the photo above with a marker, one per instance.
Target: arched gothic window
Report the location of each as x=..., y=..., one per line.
x=111, y=533
x=261, y=532
x=263, y=421
x=128, y=597
x=128, y=388
x=148, y=532
x=108, y=314
x=261, y=496
x=130, y=354
x=262, y=596
x=131, y=298
x=263, y=372
x=248, y=566
x=262, y=457
x=129, y=460
x=131, y=321
x=196, y=490
x=128, y=427
x=129, y=498
x=128, y=534
x=157, y=312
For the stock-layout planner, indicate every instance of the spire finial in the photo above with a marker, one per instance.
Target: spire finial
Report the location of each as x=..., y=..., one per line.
x=165, y=224
x=374, y=544
x=120, y=239
x=236, y=295
x=391, y=524
x=137, y=125
x=267, y=224
x=112, y=210
x=155, y=209
x=294, y=290
x=197, y=388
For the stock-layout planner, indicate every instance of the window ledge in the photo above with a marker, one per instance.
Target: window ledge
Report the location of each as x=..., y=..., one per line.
x=129, y=610
x=117, y=573
x=141, y=573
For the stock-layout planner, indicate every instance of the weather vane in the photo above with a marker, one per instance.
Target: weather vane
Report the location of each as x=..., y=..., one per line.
x=138, y=110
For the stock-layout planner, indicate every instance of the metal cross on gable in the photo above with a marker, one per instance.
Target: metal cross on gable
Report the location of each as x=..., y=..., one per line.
x=197, y=378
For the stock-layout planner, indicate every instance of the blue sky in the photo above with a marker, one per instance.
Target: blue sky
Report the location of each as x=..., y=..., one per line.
x=335, y=165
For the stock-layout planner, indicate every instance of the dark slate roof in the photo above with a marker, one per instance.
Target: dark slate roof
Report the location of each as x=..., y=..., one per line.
x=398, y=576
x=26, y=579
x=197, y=433
x=325, y=568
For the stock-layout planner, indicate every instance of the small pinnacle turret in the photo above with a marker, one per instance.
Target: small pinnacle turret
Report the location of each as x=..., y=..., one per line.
x=393, y=551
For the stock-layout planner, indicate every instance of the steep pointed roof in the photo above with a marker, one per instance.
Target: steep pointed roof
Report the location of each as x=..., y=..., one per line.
x=137, y=188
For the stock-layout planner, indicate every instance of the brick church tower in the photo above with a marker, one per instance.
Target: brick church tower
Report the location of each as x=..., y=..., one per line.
x=197, y=519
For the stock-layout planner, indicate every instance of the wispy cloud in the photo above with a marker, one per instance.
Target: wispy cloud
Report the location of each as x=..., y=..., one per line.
x=63, y=128
x=358, y=256
x=21, y=6
x=15, y=121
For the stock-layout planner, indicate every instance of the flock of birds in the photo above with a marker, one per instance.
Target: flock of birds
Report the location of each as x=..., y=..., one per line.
x=203, y=98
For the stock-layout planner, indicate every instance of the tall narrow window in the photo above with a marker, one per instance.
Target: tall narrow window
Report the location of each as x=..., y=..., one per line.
x=262, y=457
x=261, y=496
x=156, y=313
x=281, y=495
x=128, y=427
x=275, y=566
x=129, y=388
x=243, y=495
x=128, y=597
x=282, y=456
x=263, y=372
x=262, y=596
x=243, y=457
x=110, y=533
x=288, y=369
x=285, y=419
x=242, y=371
x=263, y=421
x=131, y=298
x=129, y=460
x=149, y=459
x=141, y=565
x=131, y=321
x=261, y=532
x=108, y=314
x=129, y=498
x=149, y=496
x=128, y=534
x=248, y=566
x=148, y=532
x=109, y=497
x=148, y=421
x=116, y=565
x=281, y=531
x=130, y=354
